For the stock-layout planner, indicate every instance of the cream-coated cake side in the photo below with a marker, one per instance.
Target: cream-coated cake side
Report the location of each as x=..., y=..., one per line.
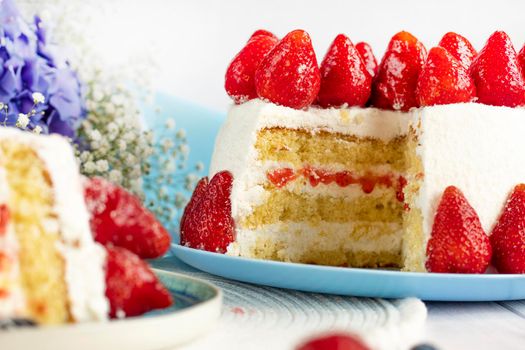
x=474, y=147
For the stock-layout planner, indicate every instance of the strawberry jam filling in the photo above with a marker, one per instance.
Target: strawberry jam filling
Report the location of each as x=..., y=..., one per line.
x=4, y=218
x=282, y=176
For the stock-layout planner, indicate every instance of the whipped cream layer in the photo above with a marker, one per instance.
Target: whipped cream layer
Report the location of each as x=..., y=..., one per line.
x=475, y=147
x=249, y=240
x=234, y=147
x=84, y=259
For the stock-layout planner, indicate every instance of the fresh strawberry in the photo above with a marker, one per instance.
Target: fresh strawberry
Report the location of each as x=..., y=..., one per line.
x=196, y=196
x=508, y=236
x=444, y=80
x=344, y=76
x=289, y=74
x=459, y=47
x=497, y=74
x=118, y=218
x=338, y=341
x=368, y=57
x=263, y=32
x=207, y=223
x=131, y=287
x=458, y=243
x=395, y=83
x=521, y=59
x=239, y=79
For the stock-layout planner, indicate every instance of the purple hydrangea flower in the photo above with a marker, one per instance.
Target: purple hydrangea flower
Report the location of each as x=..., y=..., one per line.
x=28, y=64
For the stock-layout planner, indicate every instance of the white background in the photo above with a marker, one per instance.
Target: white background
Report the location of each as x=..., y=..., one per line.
x=195, y=40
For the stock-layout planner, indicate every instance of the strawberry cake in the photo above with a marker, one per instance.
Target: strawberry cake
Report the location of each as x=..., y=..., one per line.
x=52, y=271
x=405, y=164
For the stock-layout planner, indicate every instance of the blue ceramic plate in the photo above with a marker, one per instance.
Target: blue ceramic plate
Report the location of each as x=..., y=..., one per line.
x=357, y=282
x=202, y=125
x=197, y=307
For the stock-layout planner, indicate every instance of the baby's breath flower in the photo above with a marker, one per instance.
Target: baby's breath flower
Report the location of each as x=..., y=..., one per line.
x=102, y=165
x=122, y=145
x=167, y=144
x=38, y=97
x=95, y=135
x=115, y=176
x=170, y=123
x=84, y=156
x=22, y=121
x=199, y=166
x=180, y=200
x=184, y=149
x=37, y=130
x=89, y=167
x=181, y=134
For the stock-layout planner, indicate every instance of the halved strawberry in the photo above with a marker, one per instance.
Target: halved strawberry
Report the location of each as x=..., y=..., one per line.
x=131, y=287
x=459, y=47
x=458, y=243
x=119, y=218
x=239, y=79
x=365, y=50
x=508, y=236
x=444, y=80
x=497, y=74
x=344, y=76
x=337, y=341
x=521, y=59
x=396, y=80
x=207, y=222
x=289, y=74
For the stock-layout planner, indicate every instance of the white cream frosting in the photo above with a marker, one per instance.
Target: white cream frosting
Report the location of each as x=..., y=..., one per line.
x=311, y=237
x=85, y=259
x=475, y=147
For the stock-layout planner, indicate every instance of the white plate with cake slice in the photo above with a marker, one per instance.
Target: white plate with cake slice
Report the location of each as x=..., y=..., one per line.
x=197, y=306
x=357, y=282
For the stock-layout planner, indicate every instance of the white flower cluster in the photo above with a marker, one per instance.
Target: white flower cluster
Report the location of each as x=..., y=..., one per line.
x=116, y=146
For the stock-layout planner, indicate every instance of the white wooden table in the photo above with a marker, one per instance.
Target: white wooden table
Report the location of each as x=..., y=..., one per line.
x=492, y=325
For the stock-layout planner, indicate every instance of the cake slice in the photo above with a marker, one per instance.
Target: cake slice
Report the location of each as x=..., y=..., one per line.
x=51, y=269
x=56, y=267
